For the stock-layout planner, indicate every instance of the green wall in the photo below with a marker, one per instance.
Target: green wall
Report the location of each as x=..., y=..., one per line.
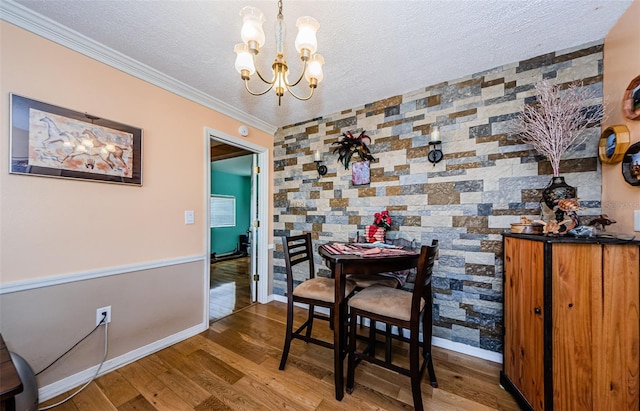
x=225, y=239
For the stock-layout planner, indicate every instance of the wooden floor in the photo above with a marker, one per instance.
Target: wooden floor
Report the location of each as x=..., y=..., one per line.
x=234, y=366
x=229, y=287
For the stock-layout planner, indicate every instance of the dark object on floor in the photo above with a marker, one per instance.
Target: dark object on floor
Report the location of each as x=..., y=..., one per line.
x=243, y=244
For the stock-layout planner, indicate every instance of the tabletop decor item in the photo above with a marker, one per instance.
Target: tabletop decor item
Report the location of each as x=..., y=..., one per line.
x=350, y=146
x=526, y=226
x=376, y=231
x=554, y=123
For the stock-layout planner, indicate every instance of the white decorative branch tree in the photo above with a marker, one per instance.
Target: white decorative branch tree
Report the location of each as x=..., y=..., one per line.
x=557, y=120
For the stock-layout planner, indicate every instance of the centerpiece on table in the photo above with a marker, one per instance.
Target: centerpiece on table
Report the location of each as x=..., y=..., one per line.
x=376, y=231
x=552, y=124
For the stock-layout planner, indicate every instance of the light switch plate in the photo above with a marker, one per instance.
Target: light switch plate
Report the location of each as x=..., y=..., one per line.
x=189, y=217
x=636, y=220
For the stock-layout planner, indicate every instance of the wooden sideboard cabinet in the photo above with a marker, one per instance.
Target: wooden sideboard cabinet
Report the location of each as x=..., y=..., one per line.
x=571, y=323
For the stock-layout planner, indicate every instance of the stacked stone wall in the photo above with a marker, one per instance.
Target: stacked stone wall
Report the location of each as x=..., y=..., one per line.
x=486, y=180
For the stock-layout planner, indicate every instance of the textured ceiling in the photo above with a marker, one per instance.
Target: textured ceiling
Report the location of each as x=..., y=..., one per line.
x=373, y=49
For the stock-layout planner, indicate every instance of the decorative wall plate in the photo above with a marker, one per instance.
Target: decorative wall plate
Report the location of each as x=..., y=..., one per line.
x=631, y=165
x=631, y=100
x=613, y=143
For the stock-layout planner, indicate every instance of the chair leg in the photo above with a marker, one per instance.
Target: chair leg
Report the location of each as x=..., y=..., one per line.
x=387, y=344
x=351, y=354
x=310, y=320
x=414, y=370
x=371, y=344
x=426, y=345
x=287, y=338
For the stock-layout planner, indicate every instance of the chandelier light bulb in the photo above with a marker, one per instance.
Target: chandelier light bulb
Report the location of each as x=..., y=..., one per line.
x=244, y=59
x=252, y=31
x=306, y=38
x=314, y=69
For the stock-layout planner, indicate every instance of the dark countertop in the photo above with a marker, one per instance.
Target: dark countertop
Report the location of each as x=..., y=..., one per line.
x=599, y=239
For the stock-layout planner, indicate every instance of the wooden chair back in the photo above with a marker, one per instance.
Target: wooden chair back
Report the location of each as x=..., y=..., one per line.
x=297, y=250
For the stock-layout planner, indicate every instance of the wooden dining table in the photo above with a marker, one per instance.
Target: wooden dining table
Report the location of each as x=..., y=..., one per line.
x=388, y=260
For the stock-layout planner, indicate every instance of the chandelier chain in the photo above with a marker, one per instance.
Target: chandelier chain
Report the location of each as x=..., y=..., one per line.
x=280, y=8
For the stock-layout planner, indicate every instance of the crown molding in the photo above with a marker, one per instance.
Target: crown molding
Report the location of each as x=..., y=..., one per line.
x=29, y=20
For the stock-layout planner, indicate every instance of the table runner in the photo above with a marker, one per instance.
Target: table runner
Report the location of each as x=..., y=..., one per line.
x=355, y=249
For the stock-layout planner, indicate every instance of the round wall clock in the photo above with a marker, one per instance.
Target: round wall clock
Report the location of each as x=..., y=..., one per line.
x=613, y=143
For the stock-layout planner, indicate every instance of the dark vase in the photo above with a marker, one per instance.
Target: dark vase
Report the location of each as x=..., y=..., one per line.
x=557, y=189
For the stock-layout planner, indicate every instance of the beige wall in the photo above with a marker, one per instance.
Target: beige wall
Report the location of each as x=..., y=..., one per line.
x=52, y=228
x=621, y=65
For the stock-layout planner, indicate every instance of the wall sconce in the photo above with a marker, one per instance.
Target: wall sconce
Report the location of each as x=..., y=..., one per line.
x=317, y=158
x=435, y=146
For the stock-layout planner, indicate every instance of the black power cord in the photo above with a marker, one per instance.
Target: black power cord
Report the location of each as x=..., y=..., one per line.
x=104, y=318
x=104, y=357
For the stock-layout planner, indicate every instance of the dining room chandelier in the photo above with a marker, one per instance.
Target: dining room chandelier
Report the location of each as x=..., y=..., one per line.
x=253, y=38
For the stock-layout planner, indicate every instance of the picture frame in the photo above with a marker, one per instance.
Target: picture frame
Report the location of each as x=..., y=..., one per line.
x=360, y=173
x=52, y=141
x=613, y=143
x=631, y=165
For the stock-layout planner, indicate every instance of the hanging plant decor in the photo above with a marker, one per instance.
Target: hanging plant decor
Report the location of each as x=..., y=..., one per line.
x=350, y=146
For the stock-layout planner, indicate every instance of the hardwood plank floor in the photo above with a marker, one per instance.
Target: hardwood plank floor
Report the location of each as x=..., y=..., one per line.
x=229, y=287
x=234, y=366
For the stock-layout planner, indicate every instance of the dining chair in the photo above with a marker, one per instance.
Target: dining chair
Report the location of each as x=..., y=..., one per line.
x=405, y=310
x=313, y=291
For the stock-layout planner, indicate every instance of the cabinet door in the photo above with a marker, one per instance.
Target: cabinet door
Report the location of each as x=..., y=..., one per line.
x=616, y=331
x=577, y=294
x=523, y=318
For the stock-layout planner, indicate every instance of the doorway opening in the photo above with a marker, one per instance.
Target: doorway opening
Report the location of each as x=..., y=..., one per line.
x=236, y=238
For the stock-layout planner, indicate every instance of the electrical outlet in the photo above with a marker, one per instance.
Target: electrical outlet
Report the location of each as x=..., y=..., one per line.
x=99, y=315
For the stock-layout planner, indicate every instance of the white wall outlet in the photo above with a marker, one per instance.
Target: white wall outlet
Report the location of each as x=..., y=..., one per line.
x=99, y=315
x=636, y=220
x=189, y=217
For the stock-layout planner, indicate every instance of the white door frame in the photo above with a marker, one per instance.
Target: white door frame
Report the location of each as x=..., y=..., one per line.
x=263, y=208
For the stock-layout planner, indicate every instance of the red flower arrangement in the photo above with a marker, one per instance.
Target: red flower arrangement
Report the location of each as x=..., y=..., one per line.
x=376, y=231
x=382, y=219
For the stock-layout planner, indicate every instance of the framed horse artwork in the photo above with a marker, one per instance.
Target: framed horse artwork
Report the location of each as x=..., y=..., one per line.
x=52, y=141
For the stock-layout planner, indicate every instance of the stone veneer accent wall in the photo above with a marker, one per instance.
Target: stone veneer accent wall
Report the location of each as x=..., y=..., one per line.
x=486, y=181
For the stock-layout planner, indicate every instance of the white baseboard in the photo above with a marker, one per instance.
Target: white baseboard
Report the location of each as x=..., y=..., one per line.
x=467, y=349
x=75, y=380
x=435, y=341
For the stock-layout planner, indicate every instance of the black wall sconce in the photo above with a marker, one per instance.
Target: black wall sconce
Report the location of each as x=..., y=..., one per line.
x=435, y=146
x=317, y=158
